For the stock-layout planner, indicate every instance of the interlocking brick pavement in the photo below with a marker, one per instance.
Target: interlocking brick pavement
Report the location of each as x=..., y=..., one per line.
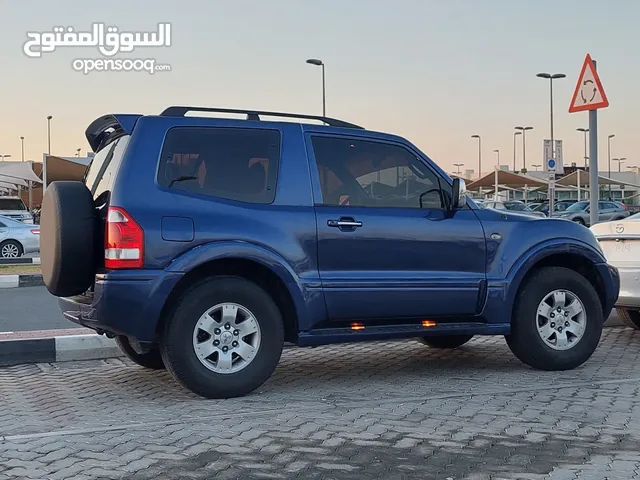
x=382, y=410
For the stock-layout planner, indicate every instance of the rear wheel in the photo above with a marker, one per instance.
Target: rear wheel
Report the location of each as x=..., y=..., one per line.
x=631, y=318
x=579, y=221
x=557, y=320
x=152, y=359
x=446, y=341
x=223, y=338
x=11, y=249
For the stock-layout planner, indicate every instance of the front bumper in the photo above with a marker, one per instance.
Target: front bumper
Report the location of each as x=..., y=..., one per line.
x=629, y=287
x=611, y=283
x=127, y=302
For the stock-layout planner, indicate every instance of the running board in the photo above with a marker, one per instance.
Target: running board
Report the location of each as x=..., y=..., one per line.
x=359, y=332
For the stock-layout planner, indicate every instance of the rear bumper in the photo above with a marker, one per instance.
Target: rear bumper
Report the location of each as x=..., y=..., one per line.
x=125, y=302
x=629, y=287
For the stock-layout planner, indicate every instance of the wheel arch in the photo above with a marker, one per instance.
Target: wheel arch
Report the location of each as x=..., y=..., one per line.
x=251, y=263
x=574, y=256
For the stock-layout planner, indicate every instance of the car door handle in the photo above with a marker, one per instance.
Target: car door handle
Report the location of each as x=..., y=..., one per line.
x=344, y=223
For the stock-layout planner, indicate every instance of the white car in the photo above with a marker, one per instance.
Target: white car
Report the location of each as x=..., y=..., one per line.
x=620, y=242
x=15, y=209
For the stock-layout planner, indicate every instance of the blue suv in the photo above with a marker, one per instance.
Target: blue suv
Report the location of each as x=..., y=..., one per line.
x=203, y=244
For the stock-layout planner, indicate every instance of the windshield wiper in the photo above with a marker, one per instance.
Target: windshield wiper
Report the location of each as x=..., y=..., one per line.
x=181, y=179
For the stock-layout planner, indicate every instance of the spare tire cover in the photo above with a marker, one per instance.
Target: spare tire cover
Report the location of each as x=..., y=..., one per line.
x=67, y=238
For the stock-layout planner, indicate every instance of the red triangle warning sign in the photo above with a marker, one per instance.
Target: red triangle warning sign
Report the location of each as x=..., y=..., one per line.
x=589, y=94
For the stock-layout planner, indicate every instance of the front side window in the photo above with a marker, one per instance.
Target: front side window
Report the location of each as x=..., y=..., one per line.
x=236, y=164
x=372, y=174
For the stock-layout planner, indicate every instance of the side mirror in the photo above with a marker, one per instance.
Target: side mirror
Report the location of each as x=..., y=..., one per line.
x=459, y=194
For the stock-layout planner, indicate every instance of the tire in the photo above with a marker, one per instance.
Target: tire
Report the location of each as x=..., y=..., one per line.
x=178, y=340
x=151, y=359
x=579, y=221
x=11, y=249
x=631, y=318
x=527, y=343
x=67, y=238
x=446, y=341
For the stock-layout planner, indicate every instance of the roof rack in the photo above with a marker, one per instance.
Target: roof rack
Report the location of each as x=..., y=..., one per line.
x=255, y=115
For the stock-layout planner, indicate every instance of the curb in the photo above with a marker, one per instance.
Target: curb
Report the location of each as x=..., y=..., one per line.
x=55, y=346
x=16, y=281
x=20, y=261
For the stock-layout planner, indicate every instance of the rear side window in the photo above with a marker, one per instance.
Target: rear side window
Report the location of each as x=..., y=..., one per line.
x=11, y=204
x=236, y=164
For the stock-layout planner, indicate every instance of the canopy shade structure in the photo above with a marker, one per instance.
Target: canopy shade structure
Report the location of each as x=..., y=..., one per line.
x=571, y=181
x=18, y=173
x=59, y=168
x=506, y=179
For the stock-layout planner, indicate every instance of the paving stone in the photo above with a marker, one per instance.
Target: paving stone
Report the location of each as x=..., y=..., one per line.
x=392, y=410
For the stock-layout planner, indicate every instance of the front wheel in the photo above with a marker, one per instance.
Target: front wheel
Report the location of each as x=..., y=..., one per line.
x=579, y=221
x=631, y=318
x=557, y=320
x=446, y=341
x=223, y=338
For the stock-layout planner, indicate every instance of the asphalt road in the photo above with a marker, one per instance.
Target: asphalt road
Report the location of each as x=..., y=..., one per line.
x=30, y=308
x=33, y=308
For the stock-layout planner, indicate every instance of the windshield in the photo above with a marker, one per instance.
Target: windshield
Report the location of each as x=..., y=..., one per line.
x=11, y=204
x=516, y=206
x=577, y=207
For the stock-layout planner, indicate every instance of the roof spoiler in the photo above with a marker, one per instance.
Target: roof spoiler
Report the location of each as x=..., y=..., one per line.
x=107, y=127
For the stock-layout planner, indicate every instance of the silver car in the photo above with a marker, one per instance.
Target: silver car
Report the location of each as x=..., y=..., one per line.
x=17, y=238
x=580, y=213
x=514, y=206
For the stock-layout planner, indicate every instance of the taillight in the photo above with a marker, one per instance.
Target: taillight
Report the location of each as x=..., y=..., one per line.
x=625, y=206
x=35, y=231
x=123, y=240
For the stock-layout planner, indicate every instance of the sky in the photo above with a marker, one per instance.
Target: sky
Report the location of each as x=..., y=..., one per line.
x=433, y=71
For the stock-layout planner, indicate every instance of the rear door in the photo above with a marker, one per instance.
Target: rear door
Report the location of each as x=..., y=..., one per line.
x=387, y=246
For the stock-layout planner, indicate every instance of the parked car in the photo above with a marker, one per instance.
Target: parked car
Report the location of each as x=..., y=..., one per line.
x=18, y=238
x=620, y=242
x=559, y=206
x=579, y=212
x=480, y=204
x=15, y=209
x=202, y=244
x=516, y=207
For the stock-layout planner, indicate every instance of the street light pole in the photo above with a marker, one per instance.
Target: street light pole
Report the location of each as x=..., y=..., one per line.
x=320, y=63
x=619, y=160
x=609, y=160
x=586, y=158
x=49, y=134
x=536, y=167
x=479, y=154
x=551, y=77
x=458, y=165
x=515, y=134
x=22, y=147
x=498, y=152
x=524, y=148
